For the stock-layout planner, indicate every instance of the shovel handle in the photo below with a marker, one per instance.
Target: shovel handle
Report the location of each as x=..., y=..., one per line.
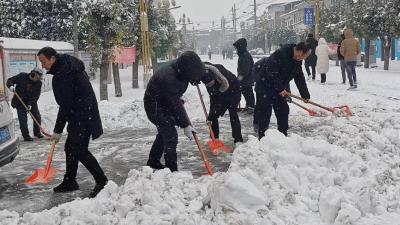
x=205, y=113
x=203, y=155
x=33, y=117
x=50, y=157
x=202, y=101
x=311, y=102
x=310, y=112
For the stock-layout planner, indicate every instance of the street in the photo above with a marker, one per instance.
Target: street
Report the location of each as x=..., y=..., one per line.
x=118, y=151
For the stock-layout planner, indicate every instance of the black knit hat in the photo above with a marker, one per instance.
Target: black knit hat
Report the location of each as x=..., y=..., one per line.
x=191, y=67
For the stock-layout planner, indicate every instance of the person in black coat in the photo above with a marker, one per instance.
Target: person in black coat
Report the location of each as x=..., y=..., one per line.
x=224, y=90
x=341, y=59
x=164, y=107
x=77, y=107
x=311, y=60
x=273, y=85
x=244, y=70
x=28, y=86
x=257, y=71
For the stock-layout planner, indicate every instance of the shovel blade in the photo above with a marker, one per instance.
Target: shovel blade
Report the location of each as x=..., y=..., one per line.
x=343, y=110
x=40, y=176
x=216, y=146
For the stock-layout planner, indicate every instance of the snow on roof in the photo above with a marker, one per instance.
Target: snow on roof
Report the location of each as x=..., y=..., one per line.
x=28, y=44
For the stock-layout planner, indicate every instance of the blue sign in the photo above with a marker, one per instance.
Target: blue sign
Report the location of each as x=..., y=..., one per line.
x=308, y=16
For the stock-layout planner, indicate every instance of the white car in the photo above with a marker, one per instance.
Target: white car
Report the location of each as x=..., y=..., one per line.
x=9, y=142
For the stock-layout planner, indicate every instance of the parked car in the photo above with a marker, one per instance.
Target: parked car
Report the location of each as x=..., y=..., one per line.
x=9, y=142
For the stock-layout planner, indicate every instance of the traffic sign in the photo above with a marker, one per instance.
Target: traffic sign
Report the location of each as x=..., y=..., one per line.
x=309, y=16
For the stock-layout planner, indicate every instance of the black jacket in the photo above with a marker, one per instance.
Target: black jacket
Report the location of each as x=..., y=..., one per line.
x=76, y=98
x=234, y=86
x=245, y=63
x=340, y=56
x=312, y=59
x=280, y=69
x=162, y=99
x=28, y=90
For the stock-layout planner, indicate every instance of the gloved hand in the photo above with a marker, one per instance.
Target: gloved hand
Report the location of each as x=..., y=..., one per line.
x=288, y=99
x=55, y=137
x=28, y=107
x=12, y=88
x=188, y=131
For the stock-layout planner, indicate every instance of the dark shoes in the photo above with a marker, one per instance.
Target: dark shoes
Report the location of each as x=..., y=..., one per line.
x=28, y=138
x=97, y=189
x=66, y=186
x=39, y=136
x=155, y=164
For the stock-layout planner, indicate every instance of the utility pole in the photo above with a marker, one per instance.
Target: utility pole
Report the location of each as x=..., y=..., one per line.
x=75, y=28
x=146, y=56
x=317, y=19
x=255, y=14
x=234, y=21
x=223, y=21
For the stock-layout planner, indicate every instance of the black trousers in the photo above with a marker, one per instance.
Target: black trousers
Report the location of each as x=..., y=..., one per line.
x=23, y=120
x=165, y=143
x=323, y=77
x=259, y=101
x=308, y=71
x=218, y=108
x=281, y=110
x=76, y=150
x=247, y=92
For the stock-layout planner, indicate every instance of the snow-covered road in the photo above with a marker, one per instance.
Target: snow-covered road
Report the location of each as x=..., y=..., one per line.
x=330, y=170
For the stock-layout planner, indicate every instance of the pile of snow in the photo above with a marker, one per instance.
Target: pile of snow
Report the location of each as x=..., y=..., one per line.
x=279, y=180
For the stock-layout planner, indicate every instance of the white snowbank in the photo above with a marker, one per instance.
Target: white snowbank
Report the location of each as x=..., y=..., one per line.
x=280, y=180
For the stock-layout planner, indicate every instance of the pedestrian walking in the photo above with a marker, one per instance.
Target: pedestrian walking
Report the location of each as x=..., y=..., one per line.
x=350, y=49
x=311, y=60
x=164, y=107
x=28, y=86
x=224, y=90
x=281, y=67
x=244, y=73
x=323, y=51
x=77, y=107
x=341, y=60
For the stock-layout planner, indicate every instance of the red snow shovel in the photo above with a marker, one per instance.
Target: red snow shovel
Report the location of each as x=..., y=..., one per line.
x=44, y=176
x=343, y=110
x=33, y=118
x=214, y=145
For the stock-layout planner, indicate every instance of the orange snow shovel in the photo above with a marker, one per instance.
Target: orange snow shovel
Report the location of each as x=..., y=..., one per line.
x=214, y=145
x=44, y=176
x=343, y=110
x=33, y=118
x=203, y=155
x=310, y=111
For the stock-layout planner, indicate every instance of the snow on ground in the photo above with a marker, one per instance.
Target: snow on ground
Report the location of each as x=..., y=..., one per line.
x=330, y=170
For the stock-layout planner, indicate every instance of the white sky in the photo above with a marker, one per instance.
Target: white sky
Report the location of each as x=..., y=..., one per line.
x=203, y=12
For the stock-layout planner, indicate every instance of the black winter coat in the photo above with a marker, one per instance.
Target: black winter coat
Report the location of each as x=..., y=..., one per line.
x=28, y=90
x=245, y=64
x=162, y=99
x=340, y=56
x=234, y=86
x=75, y=96
x=258, y=70
x=280, y=69
x=312, y=59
